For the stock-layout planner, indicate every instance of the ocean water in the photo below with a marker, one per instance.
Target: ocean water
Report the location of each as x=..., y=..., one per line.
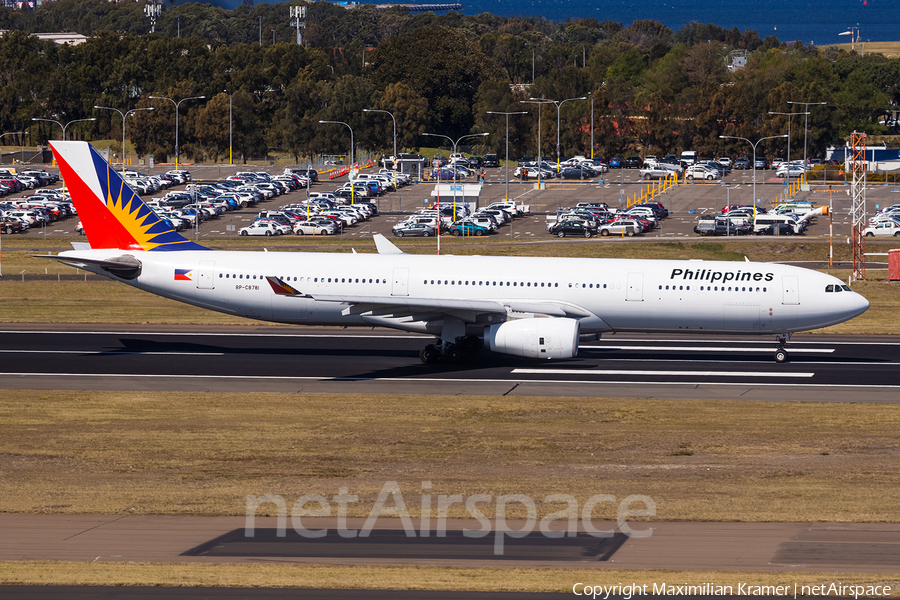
x=788, y=20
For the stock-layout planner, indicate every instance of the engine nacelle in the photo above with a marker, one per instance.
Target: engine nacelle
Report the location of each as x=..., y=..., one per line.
x=534, y=338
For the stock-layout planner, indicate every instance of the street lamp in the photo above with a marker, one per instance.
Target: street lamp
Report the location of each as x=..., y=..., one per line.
x=455, y=172
x=539, y=161
x=734, y=137
x=806, y=122
x=392, y=118
x=177, y=104
x=521, y=112
x=2, y=135
x=134, y=110
x=351, y=161
x=66, y=126
x=558, y=104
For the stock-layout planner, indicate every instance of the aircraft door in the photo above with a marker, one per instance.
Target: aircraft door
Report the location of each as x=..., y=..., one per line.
x=635, y=290
x=206, y=275
x=400, y=282
x=790, y=290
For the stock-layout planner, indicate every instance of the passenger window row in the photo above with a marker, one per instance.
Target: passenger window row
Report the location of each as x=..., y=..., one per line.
x=714, y=288
x=489, y=283
x=313, y=279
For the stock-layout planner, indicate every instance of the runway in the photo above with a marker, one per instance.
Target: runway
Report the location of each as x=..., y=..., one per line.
x=822, y=368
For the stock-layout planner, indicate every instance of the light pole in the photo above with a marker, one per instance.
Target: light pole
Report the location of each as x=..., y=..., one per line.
x=520, y=112
x=392, y=118
x=734, y=137
x=789, y=115
x=134, y=110
x=539, y=161
x=806, y=106
x=66, y=126
x=558, y=104
x=350, y=161
x=230, y=139
x=395, y=138
x=2, y=135
x=177, y=104
x=455, y=172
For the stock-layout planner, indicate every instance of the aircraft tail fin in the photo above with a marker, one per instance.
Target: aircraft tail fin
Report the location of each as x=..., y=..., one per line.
x=112, y=214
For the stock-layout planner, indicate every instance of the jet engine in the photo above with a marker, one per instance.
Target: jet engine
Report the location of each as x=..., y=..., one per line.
x=534, y=338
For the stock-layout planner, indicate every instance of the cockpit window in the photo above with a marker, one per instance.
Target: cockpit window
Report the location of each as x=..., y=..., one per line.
x=837, y=288
x=845, y=287
x=829, y=288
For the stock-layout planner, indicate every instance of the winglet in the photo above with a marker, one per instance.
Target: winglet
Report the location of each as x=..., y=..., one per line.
x=112, y=214
x=385, y=246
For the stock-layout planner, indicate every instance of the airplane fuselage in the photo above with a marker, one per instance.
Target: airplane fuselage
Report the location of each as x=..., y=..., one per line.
x=604, y=294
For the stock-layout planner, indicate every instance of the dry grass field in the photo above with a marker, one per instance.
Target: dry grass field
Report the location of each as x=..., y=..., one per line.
x=398, y=578
x=202, y=454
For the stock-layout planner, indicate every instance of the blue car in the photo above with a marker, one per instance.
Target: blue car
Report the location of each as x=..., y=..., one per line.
x=615, y=163
x=467, y=228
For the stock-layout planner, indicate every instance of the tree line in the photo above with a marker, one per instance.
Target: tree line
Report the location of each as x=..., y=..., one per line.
x=650, y=90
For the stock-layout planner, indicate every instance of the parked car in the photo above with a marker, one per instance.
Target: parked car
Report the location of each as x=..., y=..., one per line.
x=761, y=163
x=313, y=228
x=566, y=227
x=885, y=229
x=789, y=171
x=633, y=162
x=702, y=172
x=412, y=230
x=491, y=160
x=615, y=163
x=627, y=227
x=260, y=228
x=742, y=163
x=467, y=228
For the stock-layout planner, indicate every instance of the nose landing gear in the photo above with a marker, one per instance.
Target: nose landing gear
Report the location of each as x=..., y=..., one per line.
x=781, y=353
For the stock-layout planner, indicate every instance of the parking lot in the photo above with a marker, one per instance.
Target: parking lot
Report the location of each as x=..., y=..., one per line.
x=686, y=202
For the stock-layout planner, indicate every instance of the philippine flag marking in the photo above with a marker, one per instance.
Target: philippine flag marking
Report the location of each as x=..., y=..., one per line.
x=183, y=275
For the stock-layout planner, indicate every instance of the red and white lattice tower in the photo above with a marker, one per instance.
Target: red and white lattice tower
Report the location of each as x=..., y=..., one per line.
x=857, y=165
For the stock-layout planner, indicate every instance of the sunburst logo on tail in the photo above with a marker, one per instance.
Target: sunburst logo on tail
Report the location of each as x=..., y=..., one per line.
x=112, y=214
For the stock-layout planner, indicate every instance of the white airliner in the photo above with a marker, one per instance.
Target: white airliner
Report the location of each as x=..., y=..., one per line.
x=530, y=307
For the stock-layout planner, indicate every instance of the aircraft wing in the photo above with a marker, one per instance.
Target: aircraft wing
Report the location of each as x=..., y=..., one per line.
x=400, y=306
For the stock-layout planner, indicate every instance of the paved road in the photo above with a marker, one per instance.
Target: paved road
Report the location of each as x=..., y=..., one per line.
x=822, y=547
x=379, y=361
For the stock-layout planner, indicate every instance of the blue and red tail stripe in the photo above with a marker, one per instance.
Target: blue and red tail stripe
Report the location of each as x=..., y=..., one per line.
x=112, y=214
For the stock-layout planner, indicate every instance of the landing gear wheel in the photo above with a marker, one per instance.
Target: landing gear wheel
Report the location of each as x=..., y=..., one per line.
x=781, y=355
x=430, y=354
x=472, y=344
x=453, y=354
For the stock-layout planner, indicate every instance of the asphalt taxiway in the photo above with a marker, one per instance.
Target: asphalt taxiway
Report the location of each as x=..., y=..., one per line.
x=278, y=359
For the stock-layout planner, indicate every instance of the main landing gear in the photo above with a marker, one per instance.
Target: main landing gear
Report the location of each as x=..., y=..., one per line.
x=451, y=352
x=781, y=353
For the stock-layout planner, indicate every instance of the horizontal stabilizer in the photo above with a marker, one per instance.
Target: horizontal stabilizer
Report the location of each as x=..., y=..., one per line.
x=124, y=267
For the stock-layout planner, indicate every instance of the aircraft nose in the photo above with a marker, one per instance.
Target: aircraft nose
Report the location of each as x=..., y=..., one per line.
x=858, y=305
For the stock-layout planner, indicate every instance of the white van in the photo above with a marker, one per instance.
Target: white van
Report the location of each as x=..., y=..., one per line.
x=689, y=157
x=767, y=220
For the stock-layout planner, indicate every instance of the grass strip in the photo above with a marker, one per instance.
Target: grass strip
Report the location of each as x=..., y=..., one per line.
x=203, y=454
x=512, y=579
x=41, y=301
